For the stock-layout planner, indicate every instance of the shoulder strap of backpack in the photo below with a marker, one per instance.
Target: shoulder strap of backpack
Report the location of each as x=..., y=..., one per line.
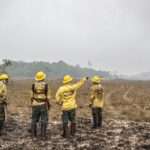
x=46, y=89
x=33, y=88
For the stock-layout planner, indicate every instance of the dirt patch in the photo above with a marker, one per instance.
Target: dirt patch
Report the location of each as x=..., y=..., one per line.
x=126, y=119
x=114, y=135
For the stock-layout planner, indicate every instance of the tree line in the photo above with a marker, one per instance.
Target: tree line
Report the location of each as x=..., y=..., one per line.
x=53, y=70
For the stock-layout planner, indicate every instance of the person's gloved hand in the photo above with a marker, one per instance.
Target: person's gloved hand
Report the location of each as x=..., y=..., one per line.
x=32, y=99
x=90, y=105
x=87, y=78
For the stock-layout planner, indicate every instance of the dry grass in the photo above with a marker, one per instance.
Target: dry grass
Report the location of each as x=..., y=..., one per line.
x=124, y=99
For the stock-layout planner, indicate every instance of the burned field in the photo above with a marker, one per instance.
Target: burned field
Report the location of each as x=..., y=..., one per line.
x=126, y=119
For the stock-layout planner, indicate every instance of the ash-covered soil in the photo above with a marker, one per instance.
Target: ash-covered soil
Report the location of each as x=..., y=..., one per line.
x=124, y=100
x=115, y=135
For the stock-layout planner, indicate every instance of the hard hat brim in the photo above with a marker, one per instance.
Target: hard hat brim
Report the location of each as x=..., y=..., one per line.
x=67, y=81
x=97, y=81
x=4, y=77
x=41, y=78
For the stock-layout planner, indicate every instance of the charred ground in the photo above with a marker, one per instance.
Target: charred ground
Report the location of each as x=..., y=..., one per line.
x=126, y=119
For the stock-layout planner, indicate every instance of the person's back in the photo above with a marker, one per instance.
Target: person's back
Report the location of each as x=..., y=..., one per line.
x=97, y=101
x=66, y=97
x=97, y=94
x=40, y=92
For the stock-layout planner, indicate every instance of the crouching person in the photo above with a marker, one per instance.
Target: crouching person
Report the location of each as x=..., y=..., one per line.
x=66, y=97
x=3, y=100
x=97, y=101
x=40, y=105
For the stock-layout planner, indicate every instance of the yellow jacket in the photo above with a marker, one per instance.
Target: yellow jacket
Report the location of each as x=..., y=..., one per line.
x=3, y=92
x=66, y=95
x=96, y=98
x=39, y=95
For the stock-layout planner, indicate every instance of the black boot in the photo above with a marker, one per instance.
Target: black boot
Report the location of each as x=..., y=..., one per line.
x=0, y=132
x=65, y=131
x=73, y=129
x=100, y=118
x=94, y=125
x=1, y=127
x=34, y=130
x=43, y=131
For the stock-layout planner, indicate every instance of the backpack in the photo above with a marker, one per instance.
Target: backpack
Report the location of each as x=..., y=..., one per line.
x=2, y=89
x=40, y=88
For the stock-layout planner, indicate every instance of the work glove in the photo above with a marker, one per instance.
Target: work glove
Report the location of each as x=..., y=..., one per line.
x=59, y=103
x=90, y=105
x=5, y=103
x=32, y=99
x=87, y=78
x=48, y=104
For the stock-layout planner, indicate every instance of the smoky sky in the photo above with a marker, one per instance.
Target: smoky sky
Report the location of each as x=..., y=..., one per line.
x=112, y=34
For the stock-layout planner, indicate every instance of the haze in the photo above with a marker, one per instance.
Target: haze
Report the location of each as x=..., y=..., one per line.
x=112, y=34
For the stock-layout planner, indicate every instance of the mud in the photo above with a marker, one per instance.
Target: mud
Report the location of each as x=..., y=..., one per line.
x=126, y=101
x=114, y=135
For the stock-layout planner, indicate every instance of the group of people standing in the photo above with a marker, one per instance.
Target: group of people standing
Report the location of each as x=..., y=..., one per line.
x=65, y=97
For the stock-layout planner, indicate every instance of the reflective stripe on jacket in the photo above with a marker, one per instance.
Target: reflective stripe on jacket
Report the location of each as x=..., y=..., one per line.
x=97, y=96
x=40, y=93
x=66, y=95
x=3, y=95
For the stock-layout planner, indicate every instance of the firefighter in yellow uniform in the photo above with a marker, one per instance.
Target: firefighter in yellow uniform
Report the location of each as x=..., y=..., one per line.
x=66, y=97
x=3, y=99
x=40, y=104
x=97, y=101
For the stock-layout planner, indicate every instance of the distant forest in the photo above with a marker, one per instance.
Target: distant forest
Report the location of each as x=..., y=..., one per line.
x=54, y=70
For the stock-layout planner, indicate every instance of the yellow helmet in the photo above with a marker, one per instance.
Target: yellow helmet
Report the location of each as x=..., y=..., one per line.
x=97, y=79
x=67, y=79
x=40, y=76
x=4, y=77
